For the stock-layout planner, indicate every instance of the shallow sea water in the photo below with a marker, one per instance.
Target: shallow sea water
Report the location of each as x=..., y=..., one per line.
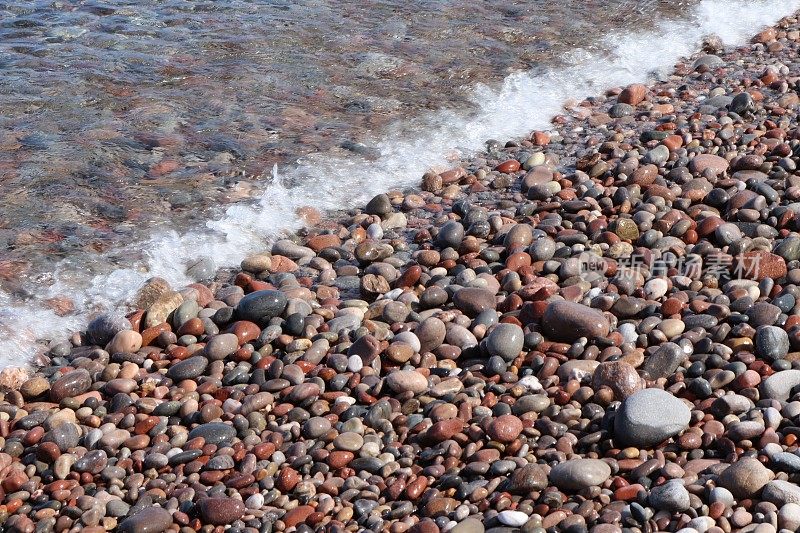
x=118, y=116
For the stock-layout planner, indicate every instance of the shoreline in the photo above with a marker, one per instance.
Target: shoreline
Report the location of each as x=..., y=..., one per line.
x=446, y=359
x=525, y=101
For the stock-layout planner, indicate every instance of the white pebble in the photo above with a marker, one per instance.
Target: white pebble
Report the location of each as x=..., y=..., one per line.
x=722, y=495
x=354, y=363
x=772, y=448
x=512, y=518
x=580, y=374
x=461, y=513
x=478, y=283
x=465, y=276
x=375, y=232
x=256, y=501
x=173, y=451
x=450, y=525
x=772, y=417
x=278, y=458
x=410, y=339
x=701, y=524
x=530, y=383
x=628, y=332
x=392, y=294
x=789, y=517
x=656, y=288
x=370, y=449
x=92, y=438
x=349, y=400
x=231, y=406
x=791, y=409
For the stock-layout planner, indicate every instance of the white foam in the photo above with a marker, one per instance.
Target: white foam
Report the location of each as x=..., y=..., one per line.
x=523, y=102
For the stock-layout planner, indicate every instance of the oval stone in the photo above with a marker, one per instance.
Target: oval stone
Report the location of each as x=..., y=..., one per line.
x=649, y=417
x=221, y=346
x=260, y=306
x=70, y=385
x=188, y=368
x=148, y=520
x=568, y=321
x=746, y=477
x=505, y=341
x=407, y=380
x=214, y=433
x=578, y=474
x=473, y=300
x=220, y=511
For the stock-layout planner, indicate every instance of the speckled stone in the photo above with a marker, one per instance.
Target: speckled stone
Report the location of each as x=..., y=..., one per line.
x=648, y=417
x=568, y=321
x=578, y=474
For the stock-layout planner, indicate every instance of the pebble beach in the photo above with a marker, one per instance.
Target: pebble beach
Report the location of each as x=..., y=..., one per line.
x=595, y=328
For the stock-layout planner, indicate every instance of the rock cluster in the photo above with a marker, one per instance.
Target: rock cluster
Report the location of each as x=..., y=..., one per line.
x=594, y=329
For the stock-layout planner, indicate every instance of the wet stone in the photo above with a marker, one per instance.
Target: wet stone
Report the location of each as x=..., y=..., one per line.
x=256, y=402
x=450, y=235
x=147, y=520
x=505, y=428
x=214, y=433
x=66, y=436
x=349, y=441
x=476, y=355
x=619, y=376
x=220, y=511
x=70, y=384
x=125, y=341
x=379, y=205
x=93, y=462
x=261, y=305
x=34, y=387
x=102, y=329
x=316, y=427
x=221, y=346
x=620, y=110
x=529, y=478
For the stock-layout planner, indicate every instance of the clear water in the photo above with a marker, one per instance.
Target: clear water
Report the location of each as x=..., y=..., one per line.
x=118, y=116
x=138, y=137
